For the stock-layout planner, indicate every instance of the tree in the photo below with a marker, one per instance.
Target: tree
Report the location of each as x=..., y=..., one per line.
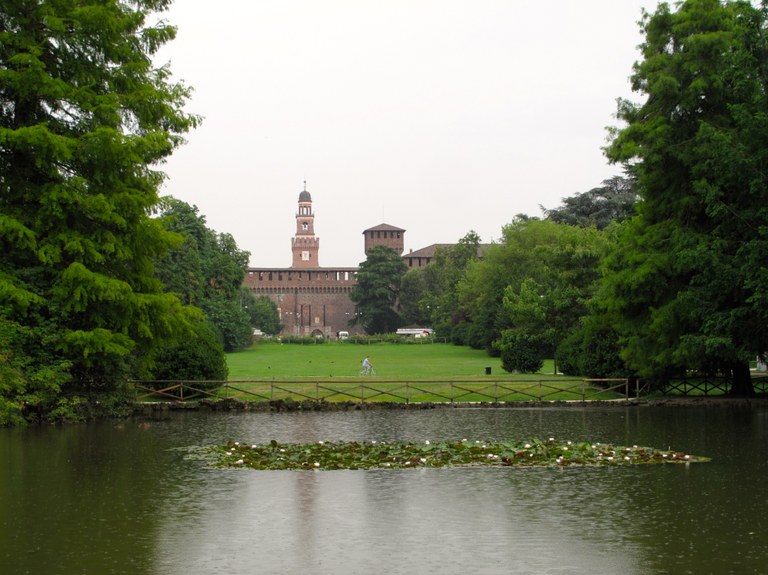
x=442, y=277
x=687, y=287
x=85, y=119
x=537, y=282
x=613, y=201
x=263, y=312
x=206, y=270
x=377, y=289
x=413, y=291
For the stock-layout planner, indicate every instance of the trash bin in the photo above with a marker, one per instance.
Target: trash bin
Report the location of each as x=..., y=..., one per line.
x=487, y=371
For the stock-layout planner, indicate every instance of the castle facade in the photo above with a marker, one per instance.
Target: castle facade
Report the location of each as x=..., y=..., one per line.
x=313, y=300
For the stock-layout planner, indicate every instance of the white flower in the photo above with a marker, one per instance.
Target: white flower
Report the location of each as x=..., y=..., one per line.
x=373, y=442
x=626, y=458
x=610, y=458
x=426, y=442
x=407, y=462
x=687, y=456
x=253, y=446
x=569, y=443
x=321, y=442
x=423, y=460
x=317, y=464
x=463, y=440
x=565, y=449
x=237, y=443
x=282, y=450
x=551, y=438
x=527, y=445
x=239, y=462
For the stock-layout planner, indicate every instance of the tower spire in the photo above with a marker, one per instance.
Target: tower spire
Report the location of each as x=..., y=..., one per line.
x=305, y=245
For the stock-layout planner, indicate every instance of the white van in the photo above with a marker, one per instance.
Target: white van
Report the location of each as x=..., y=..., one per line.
x=343, y=335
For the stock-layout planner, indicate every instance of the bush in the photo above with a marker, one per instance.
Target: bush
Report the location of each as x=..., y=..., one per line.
x=592, y=351
x=199, y=357
x=521, y=352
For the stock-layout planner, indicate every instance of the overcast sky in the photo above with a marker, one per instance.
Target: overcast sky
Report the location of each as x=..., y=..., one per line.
x=436, y=116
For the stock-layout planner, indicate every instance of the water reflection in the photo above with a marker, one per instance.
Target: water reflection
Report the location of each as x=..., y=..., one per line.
x=100, y=499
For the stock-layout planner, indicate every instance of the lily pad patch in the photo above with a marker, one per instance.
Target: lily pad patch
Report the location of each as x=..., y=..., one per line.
x=461, y=453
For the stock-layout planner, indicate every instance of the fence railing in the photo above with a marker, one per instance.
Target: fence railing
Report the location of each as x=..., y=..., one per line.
x=365, y=390
x=711, y=385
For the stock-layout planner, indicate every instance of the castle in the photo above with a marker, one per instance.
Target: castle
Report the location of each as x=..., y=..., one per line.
x=313, y=300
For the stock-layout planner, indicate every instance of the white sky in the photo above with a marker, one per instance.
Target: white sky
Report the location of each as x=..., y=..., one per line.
x=436, y=116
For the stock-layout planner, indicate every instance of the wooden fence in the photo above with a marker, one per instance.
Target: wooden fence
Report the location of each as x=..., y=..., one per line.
x=366, y=390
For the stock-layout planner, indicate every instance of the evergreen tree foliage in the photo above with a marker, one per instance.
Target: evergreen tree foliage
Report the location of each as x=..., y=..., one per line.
x=613, y=201
x=377, y=290
x=85, y=119
x=687, y=287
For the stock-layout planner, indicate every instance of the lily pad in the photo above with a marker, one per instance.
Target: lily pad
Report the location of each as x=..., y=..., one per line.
x=461, y=453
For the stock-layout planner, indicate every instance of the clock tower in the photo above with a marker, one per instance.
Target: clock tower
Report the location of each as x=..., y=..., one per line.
x=306, y=245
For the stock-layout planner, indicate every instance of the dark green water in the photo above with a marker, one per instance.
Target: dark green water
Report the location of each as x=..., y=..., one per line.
x=109, y=498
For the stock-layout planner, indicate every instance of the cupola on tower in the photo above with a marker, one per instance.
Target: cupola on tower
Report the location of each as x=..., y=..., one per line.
x=306, y=245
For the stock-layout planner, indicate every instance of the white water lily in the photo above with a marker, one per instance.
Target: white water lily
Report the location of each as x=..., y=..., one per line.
x=626, y=458
x=426, y=442
x=321, y=442
x=317, y=464
x=527, y=445
x=423, y=460
x=239, y=462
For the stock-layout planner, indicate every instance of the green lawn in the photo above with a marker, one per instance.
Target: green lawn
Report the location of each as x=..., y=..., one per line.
x=342, y=359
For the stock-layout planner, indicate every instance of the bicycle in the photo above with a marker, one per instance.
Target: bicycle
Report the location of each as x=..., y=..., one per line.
x=367, y=371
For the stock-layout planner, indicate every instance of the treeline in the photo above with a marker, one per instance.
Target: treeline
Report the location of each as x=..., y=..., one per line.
x=678, y=290
x=101, y=281
x=533, y=294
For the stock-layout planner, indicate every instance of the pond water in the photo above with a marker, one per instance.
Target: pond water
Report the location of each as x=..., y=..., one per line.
x=124, y=497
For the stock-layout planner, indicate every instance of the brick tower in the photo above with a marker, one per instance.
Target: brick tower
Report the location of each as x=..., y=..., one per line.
x=306, y=245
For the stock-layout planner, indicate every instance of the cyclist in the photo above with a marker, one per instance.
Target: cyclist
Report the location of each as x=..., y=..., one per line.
x=367, y=367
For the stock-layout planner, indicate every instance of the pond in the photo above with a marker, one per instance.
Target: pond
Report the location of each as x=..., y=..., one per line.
x=125, y=497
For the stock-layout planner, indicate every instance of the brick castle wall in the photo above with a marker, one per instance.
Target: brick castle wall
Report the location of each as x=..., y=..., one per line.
x=309, y=301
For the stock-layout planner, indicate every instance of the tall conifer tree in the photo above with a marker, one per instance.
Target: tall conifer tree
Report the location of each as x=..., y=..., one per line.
x=85, y=120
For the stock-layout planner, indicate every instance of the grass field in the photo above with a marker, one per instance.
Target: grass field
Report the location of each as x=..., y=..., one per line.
x=341, y=359
x=412, y=372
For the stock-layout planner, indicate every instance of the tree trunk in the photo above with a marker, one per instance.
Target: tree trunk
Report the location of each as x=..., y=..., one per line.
x=742, y=381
